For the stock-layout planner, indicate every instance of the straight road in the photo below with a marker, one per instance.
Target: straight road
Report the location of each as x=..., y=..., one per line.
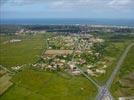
x=104, y=93
x=119, y=63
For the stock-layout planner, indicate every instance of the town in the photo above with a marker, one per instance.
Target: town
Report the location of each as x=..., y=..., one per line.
x=67, y=52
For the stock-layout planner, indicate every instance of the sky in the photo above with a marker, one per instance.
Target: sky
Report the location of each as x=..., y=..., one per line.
x=24, y=9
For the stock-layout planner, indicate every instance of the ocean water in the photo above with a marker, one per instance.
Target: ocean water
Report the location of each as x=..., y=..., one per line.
x=68, y=21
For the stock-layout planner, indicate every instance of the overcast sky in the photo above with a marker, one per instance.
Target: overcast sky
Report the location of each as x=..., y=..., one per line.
x=67, y=9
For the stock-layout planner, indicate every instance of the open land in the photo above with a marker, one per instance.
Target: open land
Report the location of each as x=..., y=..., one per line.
x=123, y=85
x=63, y=67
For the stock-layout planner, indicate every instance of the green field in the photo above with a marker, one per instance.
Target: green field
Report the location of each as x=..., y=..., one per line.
x=24, y=52
x=114, y=51
x=31, y=84
x=36, y=85
x=127, y=69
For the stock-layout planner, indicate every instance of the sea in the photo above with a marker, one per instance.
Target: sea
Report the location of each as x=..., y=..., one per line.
x=69, y=21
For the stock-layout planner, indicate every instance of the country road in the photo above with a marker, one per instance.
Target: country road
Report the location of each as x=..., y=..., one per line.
x=117, y=67
x=104, y=93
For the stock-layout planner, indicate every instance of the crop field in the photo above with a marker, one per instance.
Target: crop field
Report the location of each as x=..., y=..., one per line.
x=5, y=83
x=18, y=53
x=40, y=85
x=123, y=85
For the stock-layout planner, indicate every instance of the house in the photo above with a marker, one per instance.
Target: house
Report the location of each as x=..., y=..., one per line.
x=90, y=72
x=77, y=72
x=71, y=65
x=15, y=40
x=100, y=71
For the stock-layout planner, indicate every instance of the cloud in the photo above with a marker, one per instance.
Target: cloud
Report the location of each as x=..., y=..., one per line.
x=3, y=2
x=23, y=2
x=121, y=3
x=74, y=5
x=68, y=8
x=58, y=3
x=93, y=4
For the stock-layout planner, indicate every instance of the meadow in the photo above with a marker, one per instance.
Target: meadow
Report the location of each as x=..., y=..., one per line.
x=31, y=84
x=123, y=83
x=19, y=53
x=113, y=52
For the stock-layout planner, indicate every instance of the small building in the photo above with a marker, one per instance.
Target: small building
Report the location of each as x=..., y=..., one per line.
x=15, y=40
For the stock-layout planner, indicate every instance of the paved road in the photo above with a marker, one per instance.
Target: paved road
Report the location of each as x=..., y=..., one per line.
x=104, y=93
x=119, y=63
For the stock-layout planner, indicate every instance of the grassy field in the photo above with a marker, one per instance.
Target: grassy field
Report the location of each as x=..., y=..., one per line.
x=31, y=84
x=121, y=87
x=24, y=52
x=36, y=85
x=114, y=51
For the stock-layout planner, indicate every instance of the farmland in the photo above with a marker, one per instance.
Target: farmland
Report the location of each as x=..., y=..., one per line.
x=5, y=82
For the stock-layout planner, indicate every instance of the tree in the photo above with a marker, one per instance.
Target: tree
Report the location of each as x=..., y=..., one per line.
x=98, y=50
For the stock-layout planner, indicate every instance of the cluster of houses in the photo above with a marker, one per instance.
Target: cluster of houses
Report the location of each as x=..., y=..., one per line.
x=61, y=42
x=54, y=64
x=15, y=40
x=12, y=41
x=68, y=59
x=84, y=44
x=18, y=67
